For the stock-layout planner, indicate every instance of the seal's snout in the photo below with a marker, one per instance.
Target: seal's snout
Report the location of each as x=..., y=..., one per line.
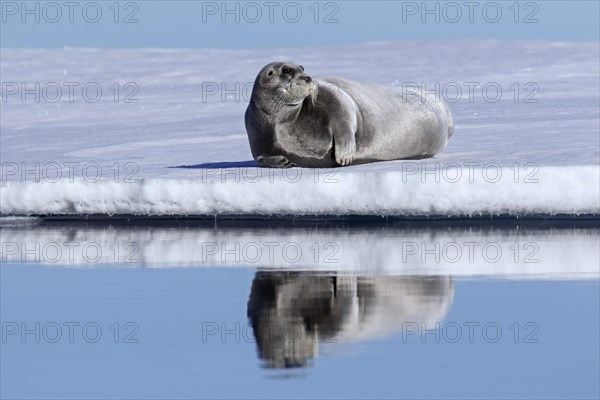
x=307, y=78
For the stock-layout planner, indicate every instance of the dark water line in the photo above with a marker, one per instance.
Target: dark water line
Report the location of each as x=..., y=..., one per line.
x=333, y=222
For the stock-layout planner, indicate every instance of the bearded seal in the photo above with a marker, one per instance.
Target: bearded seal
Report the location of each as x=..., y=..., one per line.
x=293, y=120
x=293, y=312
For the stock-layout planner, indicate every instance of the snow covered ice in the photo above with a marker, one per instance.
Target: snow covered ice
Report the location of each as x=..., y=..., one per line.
x=534, y=150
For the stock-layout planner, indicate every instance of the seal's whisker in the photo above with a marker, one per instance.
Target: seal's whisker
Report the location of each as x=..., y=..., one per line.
x=277, y=102
x=313, y=96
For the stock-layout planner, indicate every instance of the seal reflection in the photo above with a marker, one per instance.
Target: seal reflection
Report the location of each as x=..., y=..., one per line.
x=291, y=313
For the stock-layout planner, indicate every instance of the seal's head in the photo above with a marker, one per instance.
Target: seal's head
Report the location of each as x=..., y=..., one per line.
x=284, y=84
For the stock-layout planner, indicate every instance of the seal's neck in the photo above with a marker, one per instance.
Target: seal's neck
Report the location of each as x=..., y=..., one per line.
x=277, y=111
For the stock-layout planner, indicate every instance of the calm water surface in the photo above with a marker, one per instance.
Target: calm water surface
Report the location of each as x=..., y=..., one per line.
x=401, y=310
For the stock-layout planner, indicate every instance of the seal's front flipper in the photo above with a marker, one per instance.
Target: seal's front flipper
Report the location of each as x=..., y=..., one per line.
x=344, y=146
x=274, y=162
x=344, y=127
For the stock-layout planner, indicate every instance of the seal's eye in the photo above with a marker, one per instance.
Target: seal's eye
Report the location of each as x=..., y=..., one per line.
x=270, y=73
x=286, y=70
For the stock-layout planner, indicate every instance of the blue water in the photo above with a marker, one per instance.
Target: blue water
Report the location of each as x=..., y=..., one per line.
x=162, y=353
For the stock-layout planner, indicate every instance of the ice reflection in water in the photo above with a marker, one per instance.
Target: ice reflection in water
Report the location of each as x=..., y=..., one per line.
x=524, y=249
x=293, y=312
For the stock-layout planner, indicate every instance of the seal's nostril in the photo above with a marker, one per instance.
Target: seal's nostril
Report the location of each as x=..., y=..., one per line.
x=307, y=78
